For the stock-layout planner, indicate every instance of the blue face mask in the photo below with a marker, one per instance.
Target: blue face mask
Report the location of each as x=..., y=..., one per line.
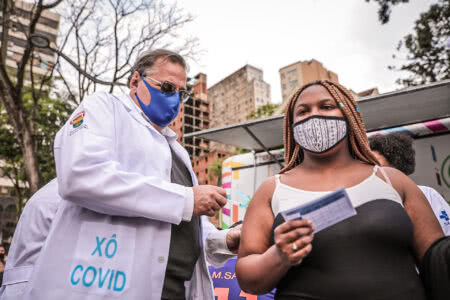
x=163, y=108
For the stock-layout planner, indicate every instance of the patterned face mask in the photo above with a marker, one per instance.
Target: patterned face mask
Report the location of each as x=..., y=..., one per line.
x=318, y=134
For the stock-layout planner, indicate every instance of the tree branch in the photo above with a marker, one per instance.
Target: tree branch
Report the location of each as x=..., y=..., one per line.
x=52, y=5
x=28, y=48
x=6, y=11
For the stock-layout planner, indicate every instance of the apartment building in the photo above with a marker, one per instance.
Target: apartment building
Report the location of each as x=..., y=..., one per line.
x=237, y=95
x=295, y=75
x=194, y=116
x=47, y=25
x=202, y=164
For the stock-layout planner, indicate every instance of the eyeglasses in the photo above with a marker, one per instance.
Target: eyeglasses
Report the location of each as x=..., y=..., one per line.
x=170, y=88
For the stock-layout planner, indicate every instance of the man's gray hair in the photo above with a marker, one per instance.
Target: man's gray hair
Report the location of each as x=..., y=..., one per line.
x=147, y=59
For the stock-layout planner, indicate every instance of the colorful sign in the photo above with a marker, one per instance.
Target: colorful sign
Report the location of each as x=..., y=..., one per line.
x=241, y=176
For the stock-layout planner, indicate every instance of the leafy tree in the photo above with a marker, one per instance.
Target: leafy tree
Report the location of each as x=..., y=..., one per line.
x=428, y=47
x=384, y=12
x=11, y=160
x=12, y=83
x=263, y=111
x=51, y=114
x=215, y=170
x=237, y=151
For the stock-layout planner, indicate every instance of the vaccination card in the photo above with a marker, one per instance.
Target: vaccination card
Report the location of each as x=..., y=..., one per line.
x=323, y=212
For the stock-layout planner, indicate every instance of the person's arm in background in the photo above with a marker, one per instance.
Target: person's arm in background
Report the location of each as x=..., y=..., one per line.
x=440, y=207
x=261, y=265
x=220, y=245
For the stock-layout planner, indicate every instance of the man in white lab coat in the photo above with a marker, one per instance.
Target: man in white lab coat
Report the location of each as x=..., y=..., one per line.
x=132, y=223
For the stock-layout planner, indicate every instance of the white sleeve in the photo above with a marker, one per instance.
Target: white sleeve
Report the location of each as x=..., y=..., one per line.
x=89, y=175
x=29, y=238
x=440, y=207
x=188, y=210
x=216, y=249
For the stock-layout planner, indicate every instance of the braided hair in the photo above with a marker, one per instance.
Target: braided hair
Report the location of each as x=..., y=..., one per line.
x=359, y=145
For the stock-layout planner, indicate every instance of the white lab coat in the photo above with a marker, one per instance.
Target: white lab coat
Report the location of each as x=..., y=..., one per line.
x=440, y=207
x=111, y=234
x=29, y=238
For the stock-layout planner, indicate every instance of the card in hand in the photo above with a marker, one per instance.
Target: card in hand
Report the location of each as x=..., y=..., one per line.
x=323, y=212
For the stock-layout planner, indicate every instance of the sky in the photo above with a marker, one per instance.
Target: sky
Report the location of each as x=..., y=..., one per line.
x=345, y=35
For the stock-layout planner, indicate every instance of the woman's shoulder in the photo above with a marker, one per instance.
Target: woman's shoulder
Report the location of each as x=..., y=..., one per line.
x=266, y=189
x=399, y=181
x=393, y=174
x=269, y=184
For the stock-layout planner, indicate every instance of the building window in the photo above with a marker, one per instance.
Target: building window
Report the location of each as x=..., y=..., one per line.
x=206, y=171
x=292, y=83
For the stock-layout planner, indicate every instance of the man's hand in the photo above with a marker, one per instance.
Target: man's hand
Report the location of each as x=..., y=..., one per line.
x=208, y=199
x=233, y=238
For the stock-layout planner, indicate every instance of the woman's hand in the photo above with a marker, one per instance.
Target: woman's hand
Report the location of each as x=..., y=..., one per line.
x=293, y=241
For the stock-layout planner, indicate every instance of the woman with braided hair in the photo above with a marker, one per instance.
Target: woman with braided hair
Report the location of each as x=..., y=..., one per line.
x=371, y=255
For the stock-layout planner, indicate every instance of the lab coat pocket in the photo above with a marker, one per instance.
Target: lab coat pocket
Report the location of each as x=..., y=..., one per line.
x=103, y=259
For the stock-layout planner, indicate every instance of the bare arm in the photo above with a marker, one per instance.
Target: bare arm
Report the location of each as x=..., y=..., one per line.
x=260, y=266
x=425, y=225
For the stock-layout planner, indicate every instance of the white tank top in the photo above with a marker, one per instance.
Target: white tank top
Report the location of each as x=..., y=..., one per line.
x=371, y=188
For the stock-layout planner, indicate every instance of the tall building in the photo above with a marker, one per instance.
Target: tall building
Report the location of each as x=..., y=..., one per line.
x=47, y=25
x=194, y=116
x=202, y=164
x=233, y=98
x=295, y=75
